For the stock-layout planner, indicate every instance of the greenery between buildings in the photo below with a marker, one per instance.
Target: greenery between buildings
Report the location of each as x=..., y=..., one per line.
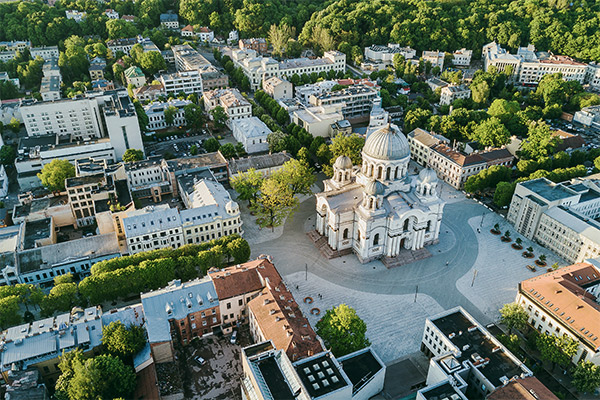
x=342, y=330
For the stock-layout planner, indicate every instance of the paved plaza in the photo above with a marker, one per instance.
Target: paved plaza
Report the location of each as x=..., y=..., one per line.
x=384, y=297
x=386, y=316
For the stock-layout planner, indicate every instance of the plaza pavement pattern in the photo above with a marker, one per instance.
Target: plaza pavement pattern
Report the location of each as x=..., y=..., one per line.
x=499, y=267
x=387, y=316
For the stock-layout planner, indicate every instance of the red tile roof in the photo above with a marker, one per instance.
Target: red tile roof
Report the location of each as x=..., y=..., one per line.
x=529, y=388
x=238, y=280
x=188, y=28
x=562, y=294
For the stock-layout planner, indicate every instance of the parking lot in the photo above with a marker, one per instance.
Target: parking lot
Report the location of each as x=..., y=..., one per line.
x=178, y=146
x=218, y=378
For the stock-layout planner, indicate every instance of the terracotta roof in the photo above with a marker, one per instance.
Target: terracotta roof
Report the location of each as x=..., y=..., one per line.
x=238, y=280
x=562, y=294
x=279, y=317
x=205, y=29
x=529, y=388
x=458, y=157
x=188, y=28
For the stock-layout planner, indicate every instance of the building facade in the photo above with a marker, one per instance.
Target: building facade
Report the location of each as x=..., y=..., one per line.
x=451, y=93
x=252, y=133
x=231, y=100
x=187, y=82
x=278, y=88
x=372, y=216
x=156, y=113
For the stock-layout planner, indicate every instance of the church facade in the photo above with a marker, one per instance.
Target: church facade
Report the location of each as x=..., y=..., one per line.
x=377, y=209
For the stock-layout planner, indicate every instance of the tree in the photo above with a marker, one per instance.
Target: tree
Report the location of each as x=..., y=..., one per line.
x=539, y=142
x=142, y=117
x=62, y=297
x=491, y=132
x=152, y=62
x=194, y=116
x=480, y=92
x=348, y=145
x=297, y=175
x=513, y=316
x=170, y=112
x=218, y=116
x=586, y=377
x=557, y=349
x=228, y=151
x=282, y=116
x=211, y=145
x=193, y=149
x=416, y=118
x=279, y=38
x=503, y=193
x=274, y=204
x=101, y=377
x=132, y=155
x=123, y=341
x=14, y=125
x=9, y=311
x=322, y=39
x=7, y=155
x=247, y=184
x=61, y=279
x=239, y=249
x=343, y=330
x=120, y=29
x=53, y=174
x=73, y=62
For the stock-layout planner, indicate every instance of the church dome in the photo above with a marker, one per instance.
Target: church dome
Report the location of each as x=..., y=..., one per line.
x=387, y=143
x=374, y=188
x=343, y=162
x=428, y=175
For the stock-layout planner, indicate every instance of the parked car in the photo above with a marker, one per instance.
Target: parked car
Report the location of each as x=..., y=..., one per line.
x=200, y=360
x=233, y=337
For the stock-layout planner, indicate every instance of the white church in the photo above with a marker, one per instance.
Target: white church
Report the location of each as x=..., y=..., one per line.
x=377, y=209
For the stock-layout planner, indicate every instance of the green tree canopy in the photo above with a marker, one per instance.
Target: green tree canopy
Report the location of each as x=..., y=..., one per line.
x=219, y=116
x=275, y=203
x=586, y=377
x=7, y=154
x=491, y=132
x=132, y=155
x=343, y=330
x=152, y=62
x=247, y=184
x=123, y=341
x=539, y=142
x=297, y=175
x=513, y=316
x=211, y=145
x=170, y=112
x=55, y=173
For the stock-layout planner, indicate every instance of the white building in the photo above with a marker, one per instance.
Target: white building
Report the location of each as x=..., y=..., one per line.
x=258, y=68
x=317, y=120
x=156, y=113
x=235, y=105
x=376, y=210
x=462, y=57
x=187, y=58
x=233, y=37
x=109, y=114
x=169, y=20
x=278, y=88
x=46, y=52
x=50, y=88
x=451, y=93
x=588, y=116
x=252, y=133
x=76, y=15
x=122, y=45
x=111, y=14
x=421, y=142
x=51, y=68
x=385, y=54
x=134, y=76
x=593, y=75
x=304, y=92
x=184, y=81
x=356, y=100
x=205, y=34
x=149, y=92
x=152, y=228
x=559, y=216
x=564, y=302
x=465, y=360
x=436, y=58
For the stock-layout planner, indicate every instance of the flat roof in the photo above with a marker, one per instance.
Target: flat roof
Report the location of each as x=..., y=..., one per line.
x=547, y=189
x=320, y=375
x=36, y=230
x=276, y=382
x=360, y=367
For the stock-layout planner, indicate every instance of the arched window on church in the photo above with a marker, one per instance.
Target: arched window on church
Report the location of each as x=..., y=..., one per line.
x=379, y=172
x=358, y=235
x=428, y=226
x=397, y=168
x=345, y=235
x=406, y=224
x=388, y=173
x=376, y=239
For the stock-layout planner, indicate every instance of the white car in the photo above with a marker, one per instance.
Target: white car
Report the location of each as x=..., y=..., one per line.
x=200, y=360
x=233, y=337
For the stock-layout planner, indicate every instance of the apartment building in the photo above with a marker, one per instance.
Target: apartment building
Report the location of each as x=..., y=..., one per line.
x=529, y=66
x=215, y=162
x=156, y=113
x=258, y=68
x=187, y=58
x=111, y=14
x=559, y=216
x=76, y=15
x=356, y=99
x=188, y=31
x=149, y=92
x=83, y=191
x=564, y=302
x=50, y=88
x=148, y=179
x=436, y=58
x=16, y=45
x=259, y=45
x=421, y=142
x=465, y=360
x=252, y=133
x=190, y=309
x=270, y=374
x=51, y=68
x=588, y=116
x=169, y=20
x=102, y=85
x=278, y=88
x=96, y=69
x=264, y=164
x=122, y=45
x=318, y=120
x=46, y=52
x=152, y=228
x=235, y=105
x=187, y=82
x=593, y=75
x=455, y=167
x=384, y=55
x=304, y=92
x=462, y=57
x=451, y=93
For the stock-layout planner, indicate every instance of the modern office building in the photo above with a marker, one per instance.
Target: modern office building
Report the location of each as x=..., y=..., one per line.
x=356, y=99
x=187, y=82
